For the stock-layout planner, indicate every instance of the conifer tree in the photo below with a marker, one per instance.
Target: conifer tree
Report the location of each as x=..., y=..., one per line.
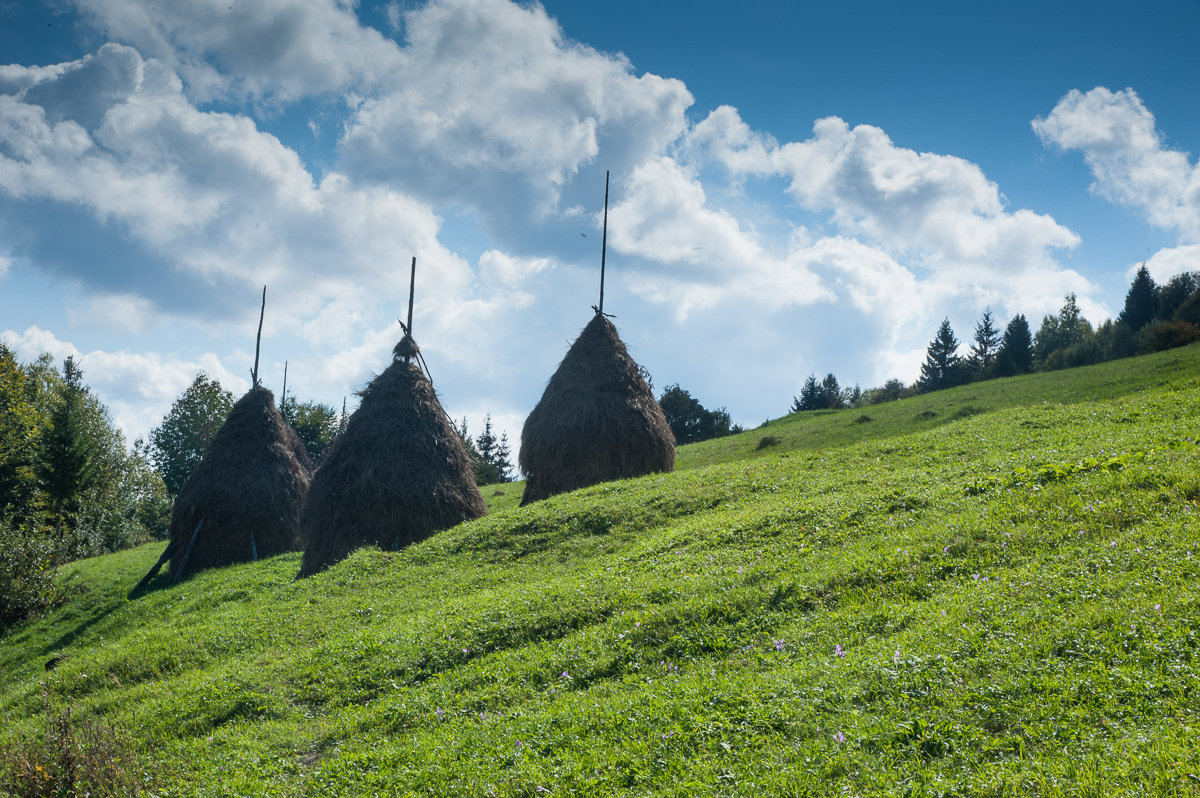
x=810, y=396
x=942, y=363
x=503, y=460
x=1016, y=348
x=1140, y=301
x=987, y=342
x=66, y=463
x=830, y=393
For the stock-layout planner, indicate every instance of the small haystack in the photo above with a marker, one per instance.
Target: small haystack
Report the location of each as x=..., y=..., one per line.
x=243, y=501
x=397, y=474
x=597, y=420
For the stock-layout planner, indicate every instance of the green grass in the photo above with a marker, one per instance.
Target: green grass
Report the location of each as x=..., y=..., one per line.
x=1012, y=581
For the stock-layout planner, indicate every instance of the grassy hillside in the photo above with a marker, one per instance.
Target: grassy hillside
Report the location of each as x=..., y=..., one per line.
x=985, y=591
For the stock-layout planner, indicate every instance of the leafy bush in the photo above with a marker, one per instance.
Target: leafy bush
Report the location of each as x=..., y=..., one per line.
x=1167, y=335
x=26, y=572
x=690, y=422
x=70, y=758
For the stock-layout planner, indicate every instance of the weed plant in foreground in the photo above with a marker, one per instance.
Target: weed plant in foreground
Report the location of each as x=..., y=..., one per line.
x=1000, y=603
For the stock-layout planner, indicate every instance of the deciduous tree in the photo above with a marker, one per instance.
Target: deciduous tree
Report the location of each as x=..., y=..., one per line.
x=178, y=443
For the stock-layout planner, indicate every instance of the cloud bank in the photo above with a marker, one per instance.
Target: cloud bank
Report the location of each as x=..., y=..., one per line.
x=153, y=151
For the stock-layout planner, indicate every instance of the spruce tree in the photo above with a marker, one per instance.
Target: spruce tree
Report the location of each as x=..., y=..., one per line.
x=830, y=393
x=1016, y=348
x=942, y=363
x=486, y=444
x=1141, y=301
x=810, y=396
x=67, y=458
x=503, y=458
x=987, y=342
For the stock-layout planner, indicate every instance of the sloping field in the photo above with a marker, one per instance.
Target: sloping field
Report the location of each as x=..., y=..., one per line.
x=985, y=591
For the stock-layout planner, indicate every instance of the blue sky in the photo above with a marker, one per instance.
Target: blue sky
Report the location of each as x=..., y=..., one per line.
x=796, y=187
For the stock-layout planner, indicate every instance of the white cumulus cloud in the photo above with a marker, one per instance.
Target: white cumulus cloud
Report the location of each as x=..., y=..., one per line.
x=1132, y=165
x=494, y=108
x=273, y=49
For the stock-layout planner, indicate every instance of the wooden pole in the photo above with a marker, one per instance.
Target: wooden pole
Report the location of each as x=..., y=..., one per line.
x=603, y=244
x=188, y=551
x=258, y=340
x=412, y=288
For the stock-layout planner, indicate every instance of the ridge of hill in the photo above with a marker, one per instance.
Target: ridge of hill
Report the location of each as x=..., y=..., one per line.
x=990, y=590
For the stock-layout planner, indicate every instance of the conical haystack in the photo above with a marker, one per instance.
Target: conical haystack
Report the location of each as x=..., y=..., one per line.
x=243, y=501
x=596, y=421
x=397, y=474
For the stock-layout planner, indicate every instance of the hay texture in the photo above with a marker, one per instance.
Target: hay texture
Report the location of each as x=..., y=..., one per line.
x=597, y=420
x=396, y=475
x=245, y=494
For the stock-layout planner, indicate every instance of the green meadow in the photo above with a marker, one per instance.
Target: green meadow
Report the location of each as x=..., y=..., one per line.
x=986, y=591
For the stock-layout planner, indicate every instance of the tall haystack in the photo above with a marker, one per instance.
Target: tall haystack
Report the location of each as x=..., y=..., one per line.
x=597, y=420
x=396, y=475
x=243, y=501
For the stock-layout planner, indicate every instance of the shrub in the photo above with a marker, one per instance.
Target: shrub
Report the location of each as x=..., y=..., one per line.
x=1167, y=335
x=26, y=572
x=70, y=759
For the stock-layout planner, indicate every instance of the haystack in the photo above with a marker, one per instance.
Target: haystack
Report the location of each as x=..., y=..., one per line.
x=243, y=501
x=396, y=475
x=597, y=420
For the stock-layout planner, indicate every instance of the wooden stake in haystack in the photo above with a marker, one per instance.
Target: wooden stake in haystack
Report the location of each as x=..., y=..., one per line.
x=243, y=501
x=597, y=419
x=396, y=474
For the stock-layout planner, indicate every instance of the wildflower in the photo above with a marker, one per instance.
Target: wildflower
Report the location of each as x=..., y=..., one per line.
x=838, y=651
x=896, y=657
x=440, y=713
x=566, y=675
x=1112, y=545
x=945, y=550
x=839, y=737
x=1004, y=544
x=975, y=577
x=1158, y=606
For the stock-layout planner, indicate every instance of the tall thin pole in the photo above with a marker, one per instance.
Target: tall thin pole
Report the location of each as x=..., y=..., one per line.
x=258, y=340
x=603, y=244
x=412, y=288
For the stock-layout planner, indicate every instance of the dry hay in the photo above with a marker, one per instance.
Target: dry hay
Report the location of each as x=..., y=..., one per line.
x=396, y=475
x=246, y=493
x=597, y=420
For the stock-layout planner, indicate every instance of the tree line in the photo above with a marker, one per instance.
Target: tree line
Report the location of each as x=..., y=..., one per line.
x=1154, y=317
x=70, y=487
